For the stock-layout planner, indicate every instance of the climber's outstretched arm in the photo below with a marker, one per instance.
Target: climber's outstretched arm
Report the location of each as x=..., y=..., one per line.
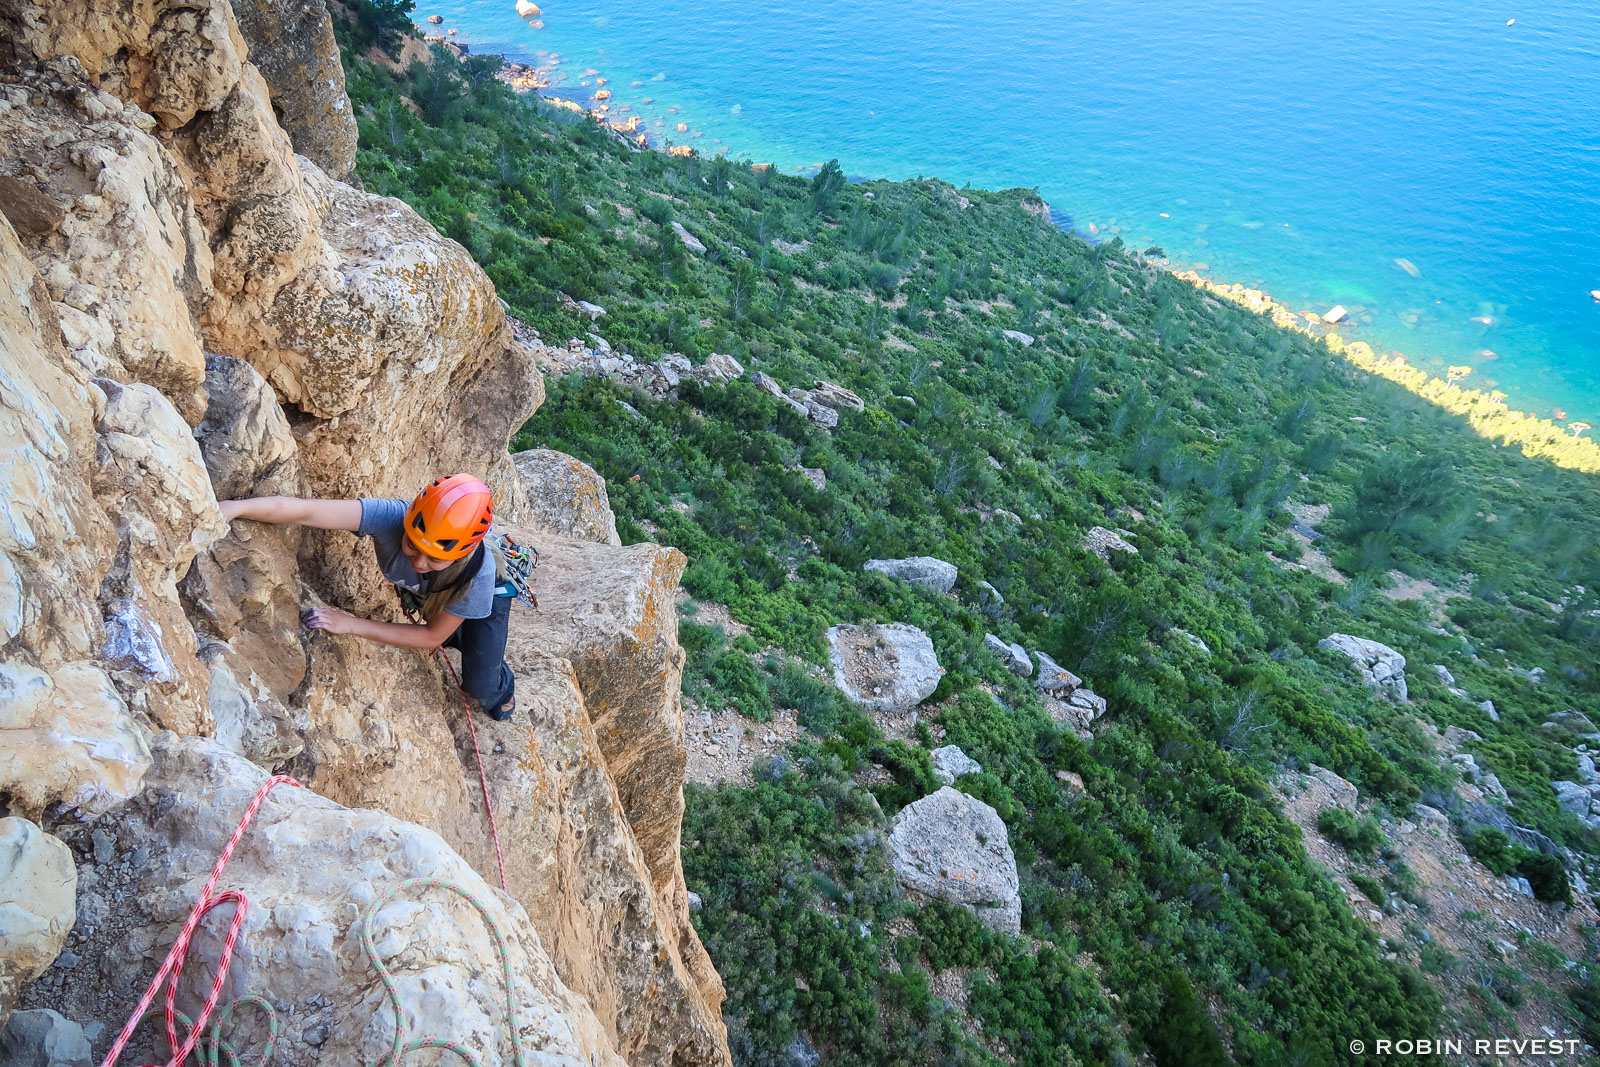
x=322, y=514
x=428, y=635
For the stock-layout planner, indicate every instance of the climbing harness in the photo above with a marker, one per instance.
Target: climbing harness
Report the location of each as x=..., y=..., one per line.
x=210, y=1047
x=172, y=967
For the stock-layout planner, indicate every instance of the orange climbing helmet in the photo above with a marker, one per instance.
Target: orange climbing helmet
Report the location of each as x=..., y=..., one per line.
x=448, y=519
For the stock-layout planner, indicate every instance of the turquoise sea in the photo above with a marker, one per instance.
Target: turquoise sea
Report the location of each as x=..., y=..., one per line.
x=1432, y=165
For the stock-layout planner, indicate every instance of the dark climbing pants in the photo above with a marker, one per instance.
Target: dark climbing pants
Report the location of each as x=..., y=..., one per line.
x=482, y=644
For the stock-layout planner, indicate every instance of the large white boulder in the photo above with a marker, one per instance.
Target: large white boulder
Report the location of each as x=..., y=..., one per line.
x=1382, y=668
x=38, y=899
x=954, y=847
x=886, y=668
x=926, y=571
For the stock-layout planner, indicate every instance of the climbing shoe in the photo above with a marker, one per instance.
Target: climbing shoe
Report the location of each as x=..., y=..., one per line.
x=503, y=713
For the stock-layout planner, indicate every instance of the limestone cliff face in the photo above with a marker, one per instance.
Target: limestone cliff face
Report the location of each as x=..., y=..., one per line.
x=190, y=311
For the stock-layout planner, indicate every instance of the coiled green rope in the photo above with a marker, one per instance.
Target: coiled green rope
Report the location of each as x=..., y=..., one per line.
x=402, y=1046
x=214, y=1046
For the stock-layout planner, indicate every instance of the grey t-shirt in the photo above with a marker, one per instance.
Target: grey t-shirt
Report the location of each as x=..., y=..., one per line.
x=383, y=520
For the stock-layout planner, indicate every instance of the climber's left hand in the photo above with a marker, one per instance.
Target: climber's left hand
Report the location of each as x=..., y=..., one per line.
x=330, y=619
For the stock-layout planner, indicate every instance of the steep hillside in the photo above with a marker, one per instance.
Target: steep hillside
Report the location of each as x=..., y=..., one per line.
x=1180, y=502
x=194, y=312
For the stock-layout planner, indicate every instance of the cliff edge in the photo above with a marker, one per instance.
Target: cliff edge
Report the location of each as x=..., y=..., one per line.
x=192, y=311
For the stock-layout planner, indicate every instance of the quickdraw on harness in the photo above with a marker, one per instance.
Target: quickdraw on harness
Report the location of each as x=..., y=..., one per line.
x=516, y=564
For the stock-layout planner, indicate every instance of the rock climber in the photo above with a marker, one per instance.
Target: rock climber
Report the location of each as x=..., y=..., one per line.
x=433, y=549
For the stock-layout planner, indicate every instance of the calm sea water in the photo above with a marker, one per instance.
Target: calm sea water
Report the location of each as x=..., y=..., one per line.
x=1425, y=164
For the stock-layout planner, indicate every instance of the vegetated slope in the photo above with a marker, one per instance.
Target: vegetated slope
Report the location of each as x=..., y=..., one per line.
x=1173, y=883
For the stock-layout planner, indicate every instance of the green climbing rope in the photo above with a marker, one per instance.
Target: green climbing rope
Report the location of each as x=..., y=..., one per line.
x=402, y=1046
x=214, y=1047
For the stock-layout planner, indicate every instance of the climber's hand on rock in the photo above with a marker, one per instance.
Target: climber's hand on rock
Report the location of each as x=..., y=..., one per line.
x=330, y=619
x=231, y=508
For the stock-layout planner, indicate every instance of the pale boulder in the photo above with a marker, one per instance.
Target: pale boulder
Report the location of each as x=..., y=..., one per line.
x=888, y=668
x=925, y=571
x=1341, y=793
x=1013, y=655
x=718, y=369
x=38, y=901
x=690, y=241
x=835, y=396
x=1092, y=704
x=566, y=496
x=1102, y=542
x=955, y=848
x=950, y=763
x=1383, y=670
x=1052, y=677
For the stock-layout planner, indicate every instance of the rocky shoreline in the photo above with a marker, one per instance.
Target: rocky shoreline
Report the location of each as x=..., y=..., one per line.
x=1486, y=411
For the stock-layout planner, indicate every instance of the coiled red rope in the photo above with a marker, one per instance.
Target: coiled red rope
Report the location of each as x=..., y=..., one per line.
x=172, y=968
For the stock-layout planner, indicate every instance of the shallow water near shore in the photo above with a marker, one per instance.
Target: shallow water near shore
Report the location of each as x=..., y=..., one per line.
x=1435, y=170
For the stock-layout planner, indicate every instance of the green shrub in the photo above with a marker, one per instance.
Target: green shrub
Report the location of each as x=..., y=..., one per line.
x=1547, y=876
x=1357, y=836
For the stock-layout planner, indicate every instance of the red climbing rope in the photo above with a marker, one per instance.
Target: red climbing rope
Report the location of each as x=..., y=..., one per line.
x=172, y=968
x=483, y=779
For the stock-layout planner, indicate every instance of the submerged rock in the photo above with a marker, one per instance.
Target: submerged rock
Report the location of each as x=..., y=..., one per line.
x=955, y=848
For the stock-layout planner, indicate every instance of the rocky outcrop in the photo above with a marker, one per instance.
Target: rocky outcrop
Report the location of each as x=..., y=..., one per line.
x=1013, y=655
x=835, y=396
x=950, y=763
x=291, y=43
x=566, y=496
x=718, y=369
x=1023, y=339
x=690, y=241
x=44, y=1038
x=38, y=900
x=767, y=384
x=1052, y=677
x=195, y=313
x=955, y=848
x=1341, y=792
x=926, y=571
x=1383, y=670
x=888, y=668
x=312, y=870
x=1102, y=542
